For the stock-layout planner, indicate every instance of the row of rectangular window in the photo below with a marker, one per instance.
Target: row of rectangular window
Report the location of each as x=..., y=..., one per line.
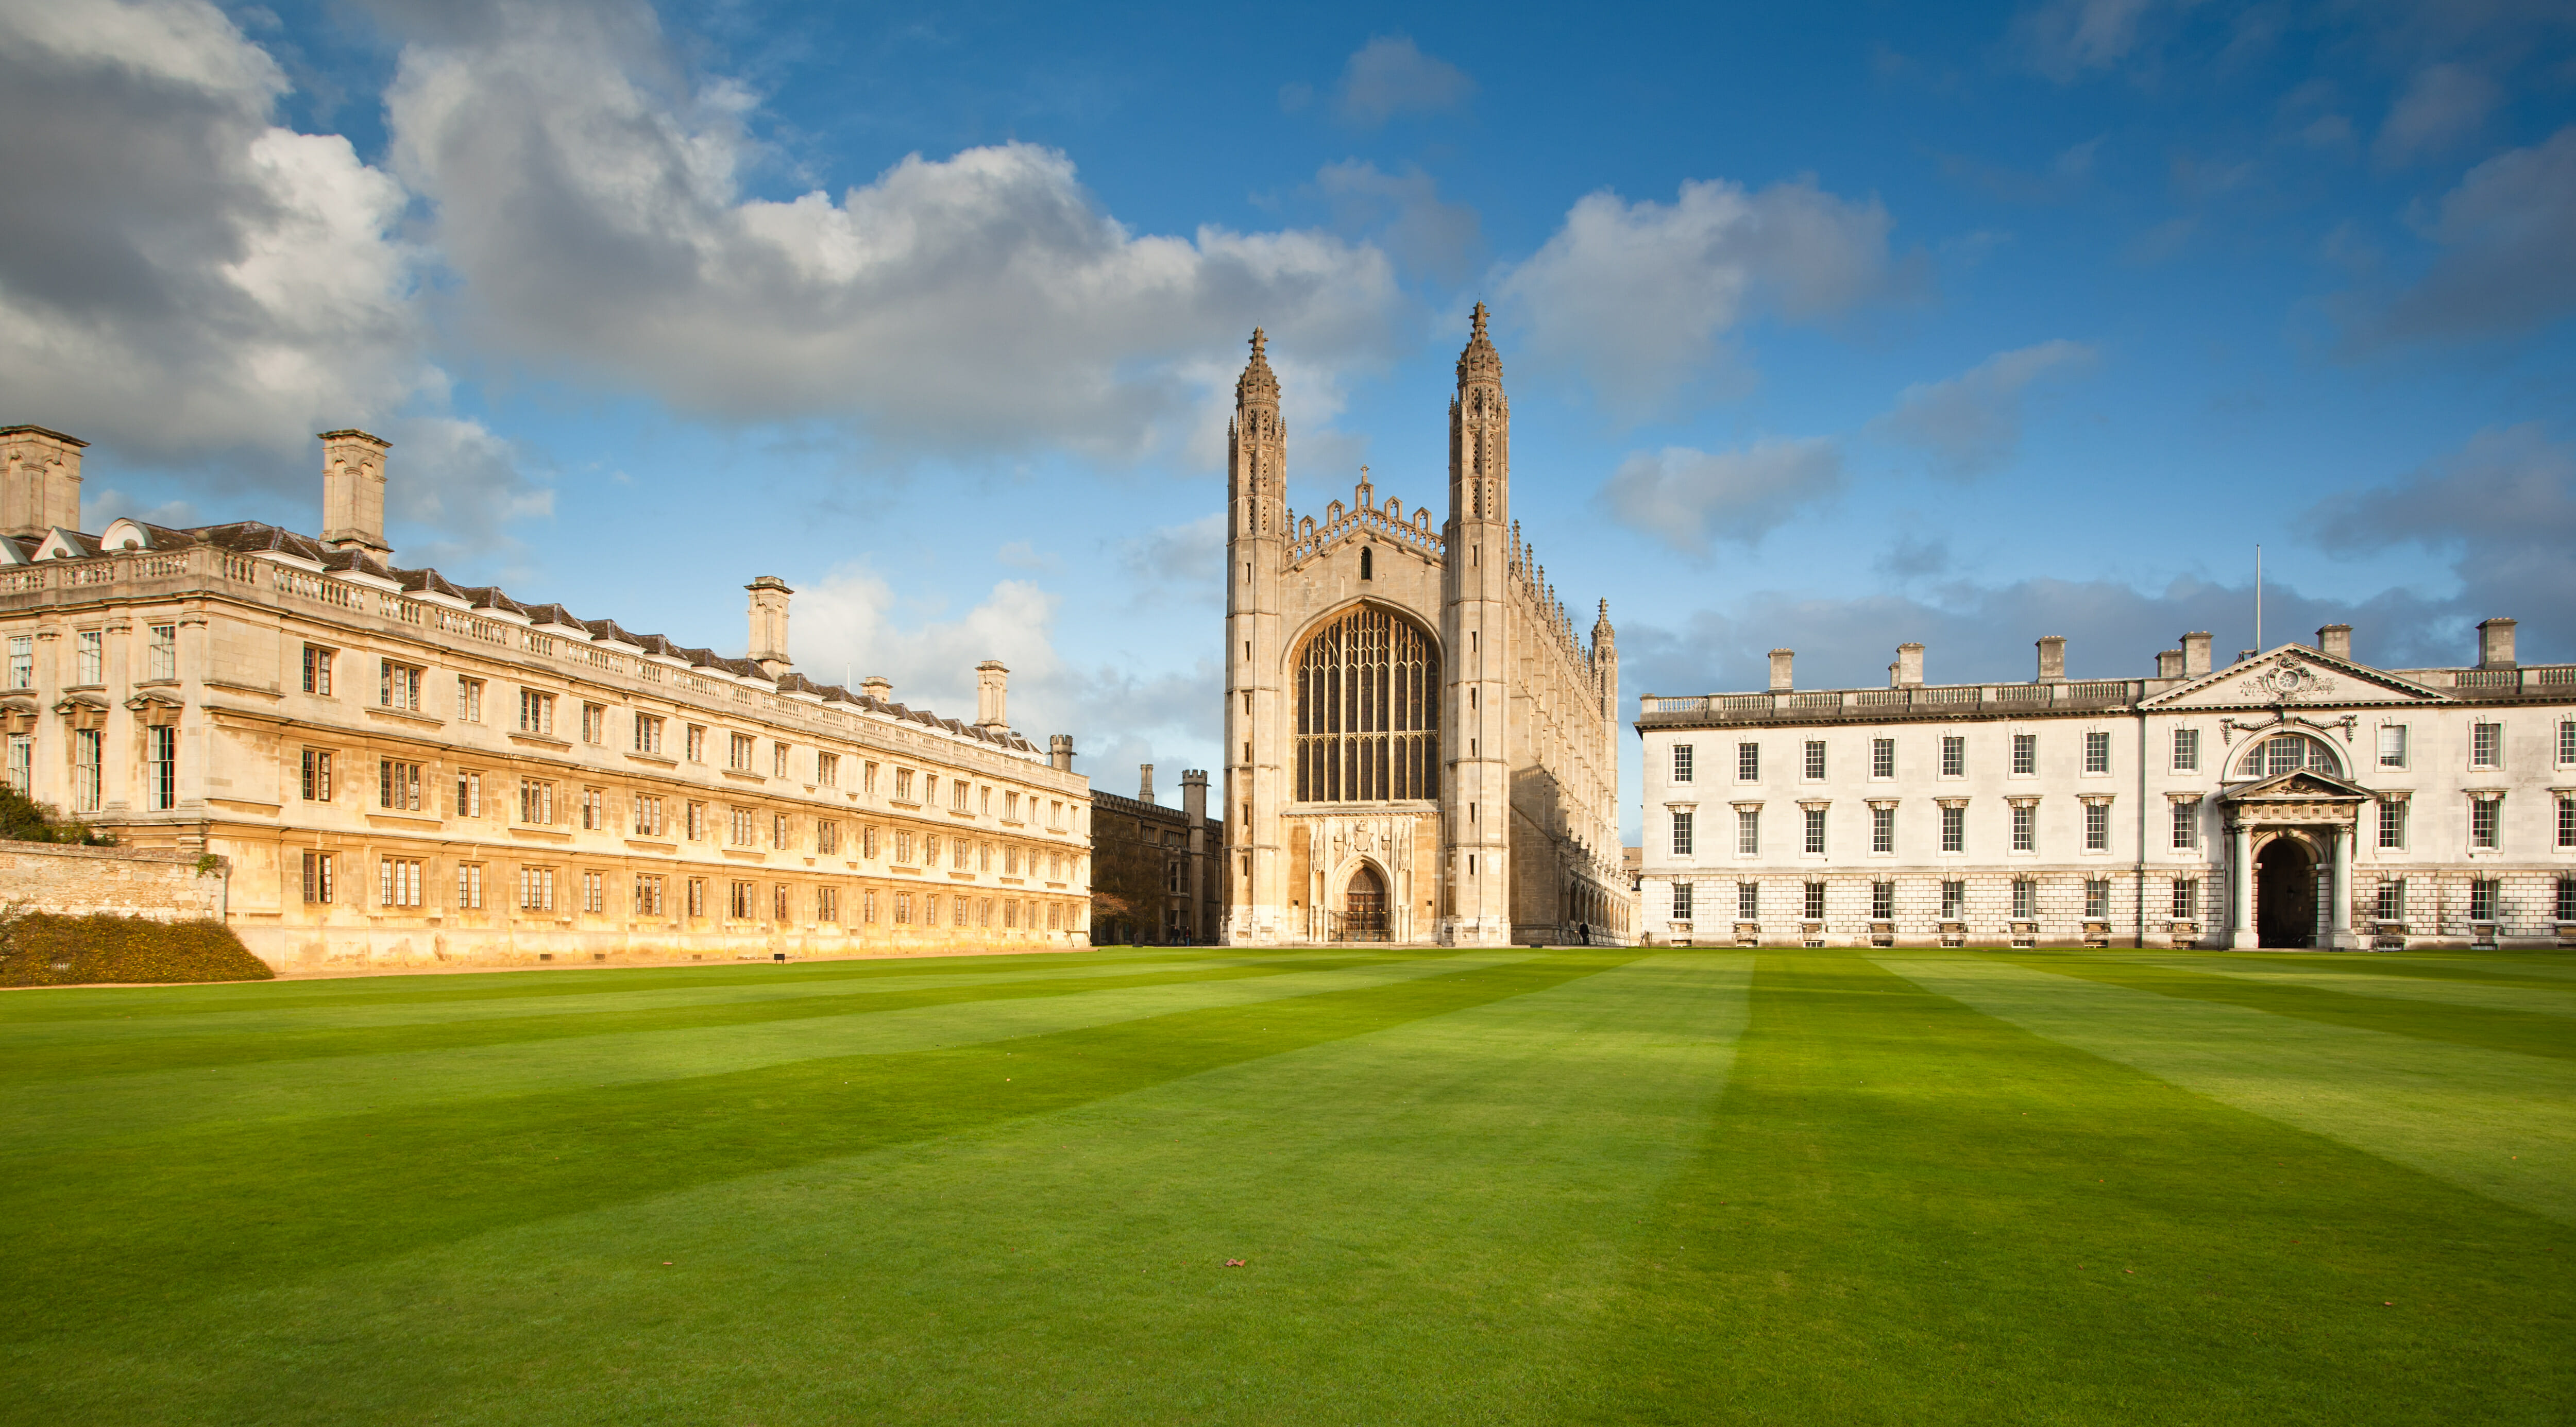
x=89, y=657
x=399, y=687
x=400, y=883
x=1882, y=829
x=89, y=770
x=2486, y=826
x=2486, y=751
x=2388, y=905
x=1954, y=897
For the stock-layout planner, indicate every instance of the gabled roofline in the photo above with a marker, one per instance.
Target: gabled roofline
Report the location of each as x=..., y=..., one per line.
x=2305, y=654
x=2345, y=788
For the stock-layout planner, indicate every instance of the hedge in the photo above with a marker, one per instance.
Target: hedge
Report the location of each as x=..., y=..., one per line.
x=43, y=949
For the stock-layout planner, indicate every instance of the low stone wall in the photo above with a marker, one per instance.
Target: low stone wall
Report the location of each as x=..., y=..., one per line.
x=123, y=881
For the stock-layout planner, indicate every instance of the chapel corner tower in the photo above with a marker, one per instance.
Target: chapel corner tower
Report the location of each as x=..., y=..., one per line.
x=1476, y=627
x=1255, y=544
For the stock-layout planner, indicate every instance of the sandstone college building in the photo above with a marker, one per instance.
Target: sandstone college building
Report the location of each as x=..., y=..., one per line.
x=401, y=771
x=1421, y=747
x=2294, y=798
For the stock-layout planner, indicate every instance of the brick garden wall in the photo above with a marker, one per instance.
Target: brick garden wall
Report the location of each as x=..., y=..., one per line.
x=123, y=881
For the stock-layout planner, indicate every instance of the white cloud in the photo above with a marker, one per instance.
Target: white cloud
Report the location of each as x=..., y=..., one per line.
x=1685, y=497
x=1186, y=561
x=200, y=286
x=851, y=624
x=180, y=274
x=595, y=211
x=1389, y=76
x=2443, y=104
x=1971, y=424
x=2505, y=231
x=1637, y=296
x=2503, y=505
x=1406, y=212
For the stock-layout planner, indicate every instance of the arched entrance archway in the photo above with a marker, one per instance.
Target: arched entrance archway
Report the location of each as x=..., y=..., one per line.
x=2285, y=888
x=1364, y=906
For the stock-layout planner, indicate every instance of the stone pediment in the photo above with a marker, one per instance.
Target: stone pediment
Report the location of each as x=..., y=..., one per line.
x=2299, y=785
x=2295, y=676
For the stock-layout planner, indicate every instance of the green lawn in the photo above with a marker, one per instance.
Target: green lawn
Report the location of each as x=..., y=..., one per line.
x=1510, y=1186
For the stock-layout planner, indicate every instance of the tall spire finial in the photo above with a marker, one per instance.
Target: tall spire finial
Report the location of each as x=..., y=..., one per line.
x=1257, y=382
x=1480, y=360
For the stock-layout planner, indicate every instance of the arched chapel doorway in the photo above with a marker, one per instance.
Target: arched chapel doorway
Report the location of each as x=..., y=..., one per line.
x=2285, y=890
x=1364, y=906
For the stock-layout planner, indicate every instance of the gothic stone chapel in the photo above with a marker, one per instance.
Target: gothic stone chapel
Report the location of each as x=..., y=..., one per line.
x=1421, y=749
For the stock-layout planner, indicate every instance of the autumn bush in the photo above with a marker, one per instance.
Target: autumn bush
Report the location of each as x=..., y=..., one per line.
x=43, y=949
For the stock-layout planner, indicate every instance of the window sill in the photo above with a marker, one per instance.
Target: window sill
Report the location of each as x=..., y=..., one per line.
x=655, y=759
x=539, y=740
x=541, y=834
x=741, y=775
x=405, y=716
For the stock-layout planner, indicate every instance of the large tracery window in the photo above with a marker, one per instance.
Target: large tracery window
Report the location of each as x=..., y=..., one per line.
x=1368, y=702
x=2285, y=753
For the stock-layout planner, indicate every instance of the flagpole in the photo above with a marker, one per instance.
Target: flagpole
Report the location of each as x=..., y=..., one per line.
x=2258, y=598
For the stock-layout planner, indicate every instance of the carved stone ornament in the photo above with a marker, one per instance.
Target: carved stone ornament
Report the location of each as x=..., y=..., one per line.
x=2286, y=681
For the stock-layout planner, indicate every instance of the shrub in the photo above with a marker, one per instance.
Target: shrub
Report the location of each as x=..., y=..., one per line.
x=42, y=949
x=23, y=819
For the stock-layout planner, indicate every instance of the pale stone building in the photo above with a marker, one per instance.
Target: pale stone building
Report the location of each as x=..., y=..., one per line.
x=2294, y=798
x=1420, y=744
x=402, y=771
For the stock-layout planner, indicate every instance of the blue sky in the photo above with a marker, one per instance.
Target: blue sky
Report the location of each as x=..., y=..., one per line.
x=1825, y=327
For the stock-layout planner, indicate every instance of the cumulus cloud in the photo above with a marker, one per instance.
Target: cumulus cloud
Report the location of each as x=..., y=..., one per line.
x=2443, y=104
x=1405, y=212
x=2503, y=506
x=1185, y=561
x=1390, y=75
x=594, y=208
x=192, y=285
x=852, y=624
x=1636, y=296
x=2505, y=232
x=1685, y=497
x=1971, y=424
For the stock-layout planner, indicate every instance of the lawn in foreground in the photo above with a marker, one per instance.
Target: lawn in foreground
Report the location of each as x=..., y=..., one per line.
x=1513, y=1186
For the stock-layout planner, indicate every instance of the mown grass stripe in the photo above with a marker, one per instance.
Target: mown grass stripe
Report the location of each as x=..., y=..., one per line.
x=2486, y=1027
x=121, y=1055
x=78, y=1003
x=1907, y=1212
x=56, y=1116
x=1430, y=1211
x=2519, y=999
x=18, y=1037
x=2498, y=1123
x=120, y=1229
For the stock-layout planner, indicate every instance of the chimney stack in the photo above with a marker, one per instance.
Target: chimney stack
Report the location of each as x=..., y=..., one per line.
x=2335, y=641
x=2169, y=664
x=1780, y=681
x=992, y=694
x=2495, y=643
x=2195, y=654
x=769, y=624
x=2052, y=659
x=40, y=480
x=1144, y=782
x=875, y=686
x=353, y=492
x=1060, y=752
x=1909, y=666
